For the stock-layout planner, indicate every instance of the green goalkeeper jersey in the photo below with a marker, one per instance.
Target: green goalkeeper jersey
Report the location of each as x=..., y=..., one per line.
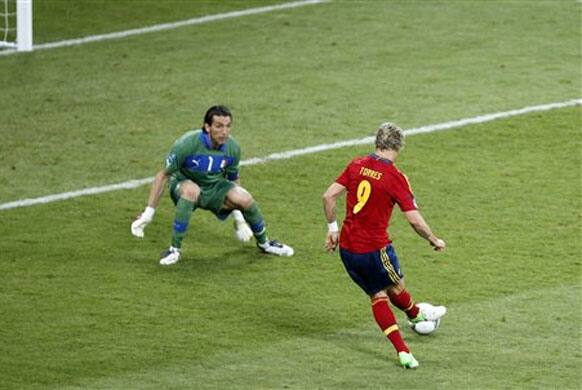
x=192, y=157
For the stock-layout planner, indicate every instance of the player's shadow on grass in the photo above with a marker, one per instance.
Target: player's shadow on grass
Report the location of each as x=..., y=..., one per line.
x=229, y=258
x=232, y=266
x=215, y=247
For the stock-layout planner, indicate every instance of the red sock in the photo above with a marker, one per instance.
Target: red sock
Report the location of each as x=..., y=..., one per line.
x=387, y=323
x=404, y=302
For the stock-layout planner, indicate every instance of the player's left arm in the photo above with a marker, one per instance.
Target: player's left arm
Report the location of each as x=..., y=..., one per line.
x=242, y=230
x=329, y=209
x=232, y=170
x=403, y=195
x=239, y=221
x=420, y=226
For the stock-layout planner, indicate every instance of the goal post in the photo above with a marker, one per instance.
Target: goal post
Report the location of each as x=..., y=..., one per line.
x=24, y=25
x=16, y=24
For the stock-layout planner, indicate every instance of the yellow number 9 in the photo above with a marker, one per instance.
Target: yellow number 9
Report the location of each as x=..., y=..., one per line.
x=363, y=194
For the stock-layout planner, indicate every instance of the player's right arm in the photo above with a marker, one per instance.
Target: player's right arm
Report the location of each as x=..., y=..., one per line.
x=173, y=162
x=157, y=188
x=420, y=226
x=329, y=205
x=147, y=216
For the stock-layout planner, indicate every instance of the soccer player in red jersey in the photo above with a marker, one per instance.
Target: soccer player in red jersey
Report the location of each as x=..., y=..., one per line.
x=374, y=185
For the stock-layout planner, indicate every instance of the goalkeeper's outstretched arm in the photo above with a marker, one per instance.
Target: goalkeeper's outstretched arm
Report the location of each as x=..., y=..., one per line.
x=157, y=189
x=147, y=216
x=242, y=230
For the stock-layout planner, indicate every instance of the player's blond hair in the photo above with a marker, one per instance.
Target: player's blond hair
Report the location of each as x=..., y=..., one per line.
x=389, y=136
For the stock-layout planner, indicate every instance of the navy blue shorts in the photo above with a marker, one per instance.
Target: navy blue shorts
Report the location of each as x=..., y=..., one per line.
x=373, y=271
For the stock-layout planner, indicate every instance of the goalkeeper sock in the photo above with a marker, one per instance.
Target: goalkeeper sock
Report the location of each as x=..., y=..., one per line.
x=184, y=209
x=404, y=302
x=387, y=323
x=255, y=219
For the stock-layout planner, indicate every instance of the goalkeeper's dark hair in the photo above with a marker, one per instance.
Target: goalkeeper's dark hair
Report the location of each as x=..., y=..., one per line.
x=389, y=137
x=218, y=111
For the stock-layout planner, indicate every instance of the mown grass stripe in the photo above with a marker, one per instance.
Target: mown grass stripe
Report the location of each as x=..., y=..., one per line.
x=170, y=26
x=299, y=152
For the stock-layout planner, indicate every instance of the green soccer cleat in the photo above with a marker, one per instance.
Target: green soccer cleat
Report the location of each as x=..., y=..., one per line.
x=407, y=360
x=419, y=318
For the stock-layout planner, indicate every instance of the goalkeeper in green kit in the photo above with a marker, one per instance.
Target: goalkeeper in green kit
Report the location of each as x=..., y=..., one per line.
x=202, y=170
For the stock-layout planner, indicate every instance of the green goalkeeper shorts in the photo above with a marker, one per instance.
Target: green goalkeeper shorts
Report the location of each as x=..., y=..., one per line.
x=211, y=196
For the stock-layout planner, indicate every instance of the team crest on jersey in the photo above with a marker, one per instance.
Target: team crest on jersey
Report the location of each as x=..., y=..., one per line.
x=170, y=160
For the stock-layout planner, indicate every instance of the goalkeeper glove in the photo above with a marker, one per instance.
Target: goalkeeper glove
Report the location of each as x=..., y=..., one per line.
x=142, y=221
x=242, y=231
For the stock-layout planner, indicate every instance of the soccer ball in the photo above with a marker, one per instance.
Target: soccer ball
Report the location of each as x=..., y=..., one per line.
x=425, y=327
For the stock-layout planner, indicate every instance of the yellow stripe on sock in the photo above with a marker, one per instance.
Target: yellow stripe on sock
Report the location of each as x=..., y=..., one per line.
x=390, y=329
x=378, y=300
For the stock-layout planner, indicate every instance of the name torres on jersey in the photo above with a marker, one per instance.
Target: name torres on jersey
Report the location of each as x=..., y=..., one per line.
x=370, y=173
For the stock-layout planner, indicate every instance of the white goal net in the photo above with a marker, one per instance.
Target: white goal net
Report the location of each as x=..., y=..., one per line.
x=16, y=24
x=7, y=23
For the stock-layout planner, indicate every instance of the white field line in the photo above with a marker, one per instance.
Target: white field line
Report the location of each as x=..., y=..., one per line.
x=171, y=26
x=299, y=152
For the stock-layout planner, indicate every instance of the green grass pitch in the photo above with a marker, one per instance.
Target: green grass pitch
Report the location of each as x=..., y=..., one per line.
x=84, y=305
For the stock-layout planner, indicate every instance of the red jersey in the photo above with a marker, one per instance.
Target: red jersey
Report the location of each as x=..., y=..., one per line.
x=373, y=185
